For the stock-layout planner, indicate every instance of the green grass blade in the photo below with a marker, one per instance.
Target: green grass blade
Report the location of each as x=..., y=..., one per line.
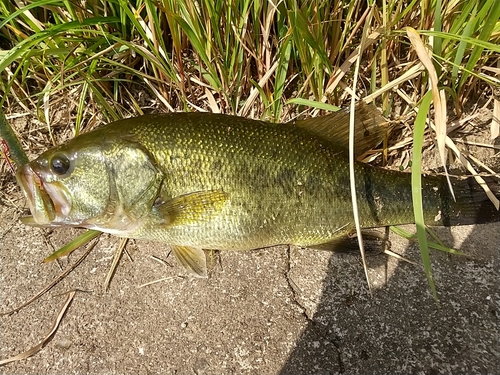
x=416, y=185
x=314, y=104
x=14, y=15
x=434, y=245
x=7, y=134
x=483, y=44
x=26, y=45
x=281, y=77
x=208, y=71
x=74, y=244
x=438, y=41
x=460, y=51
x=486, y=30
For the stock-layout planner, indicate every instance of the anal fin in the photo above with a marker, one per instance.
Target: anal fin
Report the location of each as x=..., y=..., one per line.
x=374, y=242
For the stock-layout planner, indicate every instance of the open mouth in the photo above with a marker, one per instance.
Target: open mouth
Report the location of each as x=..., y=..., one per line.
x=46, y=201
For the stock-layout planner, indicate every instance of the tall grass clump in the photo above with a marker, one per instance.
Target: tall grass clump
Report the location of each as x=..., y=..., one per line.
x=236, y=56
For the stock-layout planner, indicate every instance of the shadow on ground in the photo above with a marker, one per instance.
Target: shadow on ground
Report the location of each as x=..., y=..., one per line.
x=399, y=330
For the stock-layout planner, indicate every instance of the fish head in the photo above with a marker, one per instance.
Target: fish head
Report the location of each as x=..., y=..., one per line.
x=93, y=182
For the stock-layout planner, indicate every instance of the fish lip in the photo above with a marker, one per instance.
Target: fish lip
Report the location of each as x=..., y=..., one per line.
x=27, y=178
x=47, y=202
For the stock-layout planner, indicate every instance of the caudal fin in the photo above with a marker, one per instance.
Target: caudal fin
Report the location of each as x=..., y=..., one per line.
x=472, y=205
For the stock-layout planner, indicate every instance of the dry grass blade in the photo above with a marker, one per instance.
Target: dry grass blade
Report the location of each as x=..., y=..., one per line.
x=346, y=66
x=54, y=282
x=478, y=144
x=397, y=256
x=495, y=121
x=114, y=264
x=55, y=326
x=471, y=169
x=255, y=91
x=164, y=263
x=351, y=152
x=160, y=280
x=407, y=76
x=214, y=107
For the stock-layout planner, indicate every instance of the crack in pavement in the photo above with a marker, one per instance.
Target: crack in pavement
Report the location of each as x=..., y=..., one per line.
x=319, y=329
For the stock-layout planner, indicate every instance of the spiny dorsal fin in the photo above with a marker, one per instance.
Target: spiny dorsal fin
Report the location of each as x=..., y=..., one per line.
x=192, y=258
x=370, y=128
x=191, y=208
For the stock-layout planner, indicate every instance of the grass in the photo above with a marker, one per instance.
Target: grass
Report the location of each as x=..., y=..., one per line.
x=213, y=57
x=274, y=60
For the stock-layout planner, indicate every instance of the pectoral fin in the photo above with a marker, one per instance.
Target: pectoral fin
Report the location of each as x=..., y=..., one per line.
x=191, y=208
x=192, y=258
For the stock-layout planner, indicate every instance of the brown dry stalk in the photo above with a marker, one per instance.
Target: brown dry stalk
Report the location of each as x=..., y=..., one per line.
x=35, y=349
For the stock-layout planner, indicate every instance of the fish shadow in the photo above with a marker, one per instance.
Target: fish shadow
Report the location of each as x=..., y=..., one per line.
x=399, y=328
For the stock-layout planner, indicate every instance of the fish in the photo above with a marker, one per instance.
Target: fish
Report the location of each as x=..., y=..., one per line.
x=199, y=182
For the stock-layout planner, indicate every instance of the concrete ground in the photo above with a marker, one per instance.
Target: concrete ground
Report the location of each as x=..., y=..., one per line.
x=272, y=311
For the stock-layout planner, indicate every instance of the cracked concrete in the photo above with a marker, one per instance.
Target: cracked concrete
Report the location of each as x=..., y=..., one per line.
x=294, y=288
x=316, y=330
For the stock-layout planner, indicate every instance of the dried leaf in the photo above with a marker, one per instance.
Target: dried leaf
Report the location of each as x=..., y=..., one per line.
x=438, y=97
x=114, y=264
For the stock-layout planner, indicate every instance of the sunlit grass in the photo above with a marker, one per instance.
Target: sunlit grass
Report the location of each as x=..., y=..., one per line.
x=416, y=181
x=179, y=50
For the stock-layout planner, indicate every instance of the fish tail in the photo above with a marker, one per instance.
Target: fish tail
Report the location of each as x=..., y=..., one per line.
x=472, y=205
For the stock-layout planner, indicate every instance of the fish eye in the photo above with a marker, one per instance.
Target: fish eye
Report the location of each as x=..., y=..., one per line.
x=60, y=164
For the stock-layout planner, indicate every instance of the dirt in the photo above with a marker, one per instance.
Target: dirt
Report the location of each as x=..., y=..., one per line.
x=274, y=311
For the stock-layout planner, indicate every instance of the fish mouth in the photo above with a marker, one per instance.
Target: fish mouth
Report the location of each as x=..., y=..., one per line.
x=47, y=202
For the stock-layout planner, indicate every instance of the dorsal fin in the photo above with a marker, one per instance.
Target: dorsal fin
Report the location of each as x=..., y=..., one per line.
x=370, y=128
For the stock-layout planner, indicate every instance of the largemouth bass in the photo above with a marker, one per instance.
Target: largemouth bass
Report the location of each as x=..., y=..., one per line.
x=199, y=181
